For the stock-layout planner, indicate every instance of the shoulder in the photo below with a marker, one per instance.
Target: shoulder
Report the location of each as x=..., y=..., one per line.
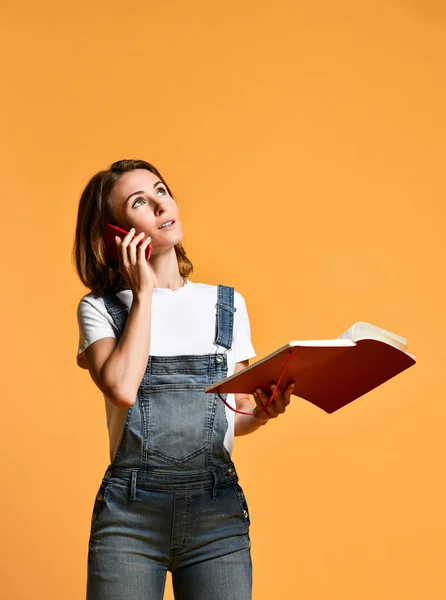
x=90, y=302
x=91, y=308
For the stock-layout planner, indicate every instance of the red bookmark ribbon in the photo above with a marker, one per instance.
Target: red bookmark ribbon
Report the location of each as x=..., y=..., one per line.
x=241, y=412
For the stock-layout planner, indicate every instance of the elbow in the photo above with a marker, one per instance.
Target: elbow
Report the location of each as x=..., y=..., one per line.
x=120, y=396
x=115, y=391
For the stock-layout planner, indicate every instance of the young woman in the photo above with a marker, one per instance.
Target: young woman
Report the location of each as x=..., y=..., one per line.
x=152, y=340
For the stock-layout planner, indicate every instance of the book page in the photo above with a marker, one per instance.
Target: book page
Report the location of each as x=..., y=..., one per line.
x=362, y=330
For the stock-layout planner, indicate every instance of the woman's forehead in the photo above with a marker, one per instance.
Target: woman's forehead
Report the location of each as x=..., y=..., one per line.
x=133, y=181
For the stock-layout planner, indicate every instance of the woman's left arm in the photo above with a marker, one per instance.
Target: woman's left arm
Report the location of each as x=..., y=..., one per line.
x=260, y=414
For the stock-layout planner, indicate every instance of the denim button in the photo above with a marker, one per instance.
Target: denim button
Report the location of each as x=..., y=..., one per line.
x=218, y=359
x=245, y=513
x=99, y=496
x=241, y=496
x=231, y=471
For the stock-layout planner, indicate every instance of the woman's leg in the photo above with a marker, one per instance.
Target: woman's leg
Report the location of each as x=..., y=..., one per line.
x=223, y=578
x=118, y=575
x=128, y=550
x=214, y=560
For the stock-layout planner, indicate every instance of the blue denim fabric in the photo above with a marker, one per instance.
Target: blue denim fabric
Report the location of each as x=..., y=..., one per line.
x=171, y=500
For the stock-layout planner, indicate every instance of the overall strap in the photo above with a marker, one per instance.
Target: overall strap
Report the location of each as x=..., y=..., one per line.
x=117, y=309
x=224, y=317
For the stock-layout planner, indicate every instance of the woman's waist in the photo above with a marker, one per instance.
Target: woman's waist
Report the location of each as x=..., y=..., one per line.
x=173, y=479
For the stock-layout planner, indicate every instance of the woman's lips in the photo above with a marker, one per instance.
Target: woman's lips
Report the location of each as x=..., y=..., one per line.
x=168, y=228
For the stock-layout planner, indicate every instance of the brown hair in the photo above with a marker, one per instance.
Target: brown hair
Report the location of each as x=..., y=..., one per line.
x=96, y=269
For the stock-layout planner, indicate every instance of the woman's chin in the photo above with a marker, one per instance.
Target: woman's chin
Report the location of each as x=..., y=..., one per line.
x=173, y=232
x=166, y=244
x=176, y=237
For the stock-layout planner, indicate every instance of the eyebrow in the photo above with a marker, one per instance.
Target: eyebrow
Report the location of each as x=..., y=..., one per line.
x=142, y=191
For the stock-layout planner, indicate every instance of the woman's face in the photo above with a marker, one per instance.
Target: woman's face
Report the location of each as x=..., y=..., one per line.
x=141, y=200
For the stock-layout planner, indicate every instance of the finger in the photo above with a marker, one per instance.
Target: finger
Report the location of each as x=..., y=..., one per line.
x=142, y=249
x=122, y=254
x=130, y=233
x=132, y=247
x=118, y=243
x=135, y=240
x=288, y=392
x=278, y=399
x=260, y=415
x=128, y=236
x=262, y=412
x=123, y=246
x=138, y=241
x=266, y=404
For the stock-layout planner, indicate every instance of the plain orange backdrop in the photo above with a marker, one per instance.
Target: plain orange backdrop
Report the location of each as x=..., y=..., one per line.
x=305, y=141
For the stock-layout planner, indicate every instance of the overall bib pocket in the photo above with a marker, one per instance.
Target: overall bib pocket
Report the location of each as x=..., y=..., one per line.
x=178, y=420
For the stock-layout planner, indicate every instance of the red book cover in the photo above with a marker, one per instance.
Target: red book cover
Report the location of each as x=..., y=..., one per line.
x=328, y=373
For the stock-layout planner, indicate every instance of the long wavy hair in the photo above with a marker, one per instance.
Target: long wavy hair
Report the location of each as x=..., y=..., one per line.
x=96, y=269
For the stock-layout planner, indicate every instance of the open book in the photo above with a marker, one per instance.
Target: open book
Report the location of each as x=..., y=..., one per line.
x=328, y=373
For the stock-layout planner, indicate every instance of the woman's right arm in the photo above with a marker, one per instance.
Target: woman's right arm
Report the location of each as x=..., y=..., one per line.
x=117, y=367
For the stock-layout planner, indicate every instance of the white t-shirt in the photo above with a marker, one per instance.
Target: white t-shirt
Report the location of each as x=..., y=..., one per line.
x=183, y=322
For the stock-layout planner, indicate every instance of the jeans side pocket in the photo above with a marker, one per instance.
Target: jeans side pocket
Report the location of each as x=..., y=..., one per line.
x=99, y=505
x=242, y=502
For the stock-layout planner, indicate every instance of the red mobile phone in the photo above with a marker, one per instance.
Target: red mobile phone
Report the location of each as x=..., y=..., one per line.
x=110, y=232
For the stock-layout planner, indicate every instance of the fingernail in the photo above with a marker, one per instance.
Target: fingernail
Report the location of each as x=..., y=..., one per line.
x=293, y=384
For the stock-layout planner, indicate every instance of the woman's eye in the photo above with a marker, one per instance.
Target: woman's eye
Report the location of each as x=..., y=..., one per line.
x=142, y=199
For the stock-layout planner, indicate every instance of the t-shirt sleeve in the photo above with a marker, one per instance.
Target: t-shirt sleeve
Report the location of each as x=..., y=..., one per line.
x=242, y=345
x=93, y=322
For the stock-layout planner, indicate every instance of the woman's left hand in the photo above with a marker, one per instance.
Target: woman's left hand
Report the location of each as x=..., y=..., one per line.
x=281, y=400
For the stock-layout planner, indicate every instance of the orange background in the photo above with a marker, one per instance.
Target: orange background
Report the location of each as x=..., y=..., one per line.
x=305, y=142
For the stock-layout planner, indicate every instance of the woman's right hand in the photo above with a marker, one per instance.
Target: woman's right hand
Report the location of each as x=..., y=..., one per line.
x=133, y=266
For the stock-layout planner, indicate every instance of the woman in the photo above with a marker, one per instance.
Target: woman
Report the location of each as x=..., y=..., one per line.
x=152, y=340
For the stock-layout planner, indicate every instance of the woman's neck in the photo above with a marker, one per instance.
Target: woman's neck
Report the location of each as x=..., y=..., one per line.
x=166, y=270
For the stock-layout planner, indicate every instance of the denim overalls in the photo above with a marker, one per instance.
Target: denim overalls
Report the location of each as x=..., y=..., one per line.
x=170, y=500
